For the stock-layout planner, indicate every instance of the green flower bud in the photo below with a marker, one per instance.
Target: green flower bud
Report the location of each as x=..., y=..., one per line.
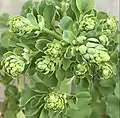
x=94, y=52
x=88, y=23
x=54, y=49
x=107, y=71
x=45, y=65
x=12, y=64
x=104, y=40
x=104, y=55
x=20, y=26
x=82, y=49
x=55, y=101
x=110, y=26
x=81, y=39
x=81, y=69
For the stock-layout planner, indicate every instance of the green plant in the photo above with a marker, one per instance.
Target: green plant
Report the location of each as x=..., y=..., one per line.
x=60, y=59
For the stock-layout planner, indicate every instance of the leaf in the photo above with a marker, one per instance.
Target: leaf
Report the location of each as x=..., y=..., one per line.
x=42, y=6
x=36, y=101
x=11, y=91
x=108, y=83
x=5, y=39
x=44, y=114
x=9, y=114
x=2, y=50
x=20, y=114
x=32, y=19
x=41, y=88
x=66, y=23
x=75, y=9
x=68, y=36
x=25, y=98
x=85, y=5
x=113, y=104
x=32, y=111
x=60, y=74
x=66, y=63
x=84, y=99
x=117, y=90
x=41, y=44
x=82, y=113
x=26, y=8
x=50, y=81
x=49, y=14
x=41, y=21
x=102, y=15
x=4, y=19
x=68, y=54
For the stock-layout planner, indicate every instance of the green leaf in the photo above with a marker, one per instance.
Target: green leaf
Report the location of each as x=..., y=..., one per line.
x=42, y=6
x=26, y=8
x=36, y=101
x=102, y=15
x=44, y=114
x=85, y=5
x=75, y=9
x=41, y=88
x=68, y=36
x=32, y=111
x=113, y=104
x=82, y=113
x=66, y=64
x=66, y=23
x=20, y=114
x=60, y=74
x=32, y=19
x=41, y=44
x=68, y=54
x=84, y=99
x=5, y=39
x=9, y=114
x=117, y=90
x=25, y=98
x=4, y=19
x=105, y=91
x=2, y=50
x=107, y=83
x=41, y=21
x=11, y=91
x=50, y=81
x=49, y=14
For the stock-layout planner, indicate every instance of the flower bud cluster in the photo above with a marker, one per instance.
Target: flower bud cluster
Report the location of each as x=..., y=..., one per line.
x=109, y=26
x=48, y=62
x=20, y=26
x=54, y=49
x=55, y=101
x=81, y=69
x=45, y=65
x=94, y=52
x=88, y=23
x=107, y=71
x=12, y=64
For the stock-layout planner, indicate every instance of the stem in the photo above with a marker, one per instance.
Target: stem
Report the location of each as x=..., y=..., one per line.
x=73, y=86
x=56, y=36
x=20, y=81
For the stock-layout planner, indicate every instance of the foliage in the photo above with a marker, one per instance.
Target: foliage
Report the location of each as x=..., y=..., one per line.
x=64, y=57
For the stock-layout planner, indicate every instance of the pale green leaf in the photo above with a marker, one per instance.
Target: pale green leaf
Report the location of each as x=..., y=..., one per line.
x=20, y=114
x=85, y=5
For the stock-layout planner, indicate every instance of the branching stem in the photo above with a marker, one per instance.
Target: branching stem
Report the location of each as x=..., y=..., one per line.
x=52, y=33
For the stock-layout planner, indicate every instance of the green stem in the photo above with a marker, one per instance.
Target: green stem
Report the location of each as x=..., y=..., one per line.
x=52, y=33
x=20, y=81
